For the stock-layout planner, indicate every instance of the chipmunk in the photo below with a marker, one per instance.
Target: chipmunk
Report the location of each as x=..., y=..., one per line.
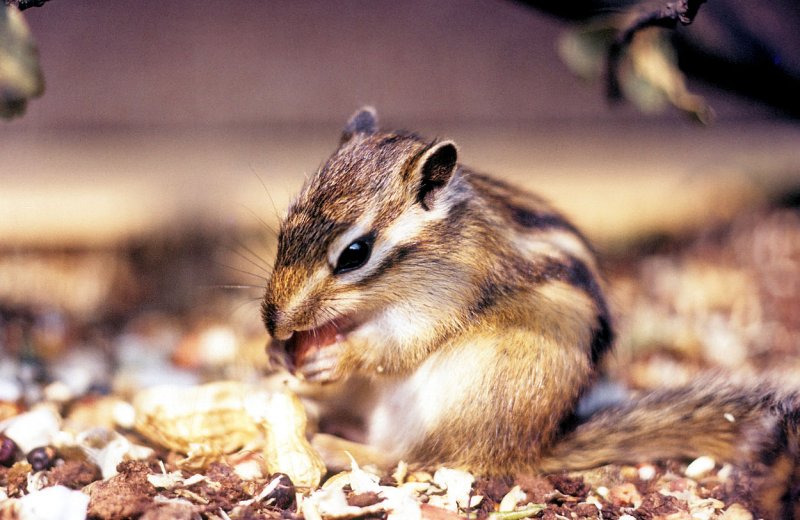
x=468, y=317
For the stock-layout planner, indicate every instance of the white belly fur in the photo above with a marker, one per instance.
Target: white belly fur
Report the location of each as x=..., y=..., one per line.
x=408, y=408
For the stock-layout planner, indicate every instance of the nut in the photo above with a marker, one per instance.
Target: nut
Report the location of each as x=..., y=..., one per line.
x=283, y=420
x=207, y=420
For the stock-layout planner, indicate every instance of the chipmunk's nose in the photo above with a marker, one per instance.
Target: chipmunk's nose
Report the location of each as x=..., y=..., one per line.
x=272, y=317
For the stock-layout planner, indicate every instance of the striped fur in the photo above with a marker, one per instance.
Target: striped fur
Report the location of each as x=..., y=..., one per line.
x=469, y=335
x=478, y=297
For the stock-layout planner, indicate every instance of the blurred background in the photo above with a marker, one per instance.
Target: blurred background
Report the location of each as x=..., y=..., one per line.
x=160, y=111
x=171, y=135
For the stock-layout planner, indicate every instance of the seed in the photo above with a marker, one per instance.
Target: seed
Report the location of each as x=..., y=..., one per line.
x=8, y=450
x=41, y=458
x=283, y=494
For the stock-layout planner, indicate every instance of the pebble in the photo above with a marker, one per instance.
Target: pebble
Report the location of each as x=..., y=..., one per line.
x=58, y=392
x=629, y=472
x=626, y=494
x=10, y=390
x=700, y=467
x=595, y=502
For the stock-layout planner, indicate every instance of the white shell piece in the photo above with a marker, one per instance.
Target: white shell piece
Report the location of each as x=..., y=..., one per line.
x=400, y=472
x=174, y=479
x=54, y=503
x=512, y=499
x=700, y=467
x=32, y=429
x=108, y=448
x=591, y=499
x=124, y=415
x=457, y=484
x=332, y=503
x=165, y=480
x=362, y=481
x=401, y=504
x=647, y=472
x=36, y=481
x=248, y=470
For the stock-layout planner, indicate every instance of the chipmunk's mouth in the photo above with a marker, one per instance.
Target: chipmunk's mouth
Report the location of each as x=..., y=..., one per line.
x=305, y=345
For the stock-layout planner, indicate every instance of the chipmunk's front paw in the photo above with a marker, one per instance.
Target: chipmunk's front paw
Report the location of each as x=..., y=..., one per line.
x=320, y=365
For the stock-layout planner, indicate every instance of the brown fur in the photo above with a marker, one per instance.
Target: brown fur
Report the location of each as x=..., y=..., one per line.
x=488, y=321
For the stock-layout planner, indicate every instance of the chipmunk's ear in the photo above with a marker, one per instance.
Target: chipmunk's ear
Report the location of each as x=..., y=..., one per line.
x=364, y=121
x=435, y=168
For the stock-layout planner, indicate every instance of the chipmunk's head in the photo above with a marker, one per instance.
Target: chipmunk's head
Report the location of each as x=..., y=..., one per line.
x=349, y=257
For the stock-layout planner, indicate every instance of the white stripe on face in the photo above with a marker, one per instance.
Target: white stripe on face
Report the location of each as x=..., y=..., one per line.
x=362, y=226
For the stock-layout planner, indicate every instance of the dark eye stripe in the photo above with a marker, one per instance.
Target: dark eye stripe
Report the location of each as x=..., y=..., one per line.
x=394, y=258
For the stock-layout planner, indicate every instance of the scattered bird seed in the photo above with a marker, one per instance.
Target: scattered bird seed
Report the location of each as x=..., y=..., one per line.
x=41, y=458
x=8, y=451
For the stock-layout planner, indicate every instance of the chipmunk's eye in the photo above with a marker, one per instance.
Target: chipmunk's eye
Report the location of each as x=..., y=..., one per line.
x=354, y=256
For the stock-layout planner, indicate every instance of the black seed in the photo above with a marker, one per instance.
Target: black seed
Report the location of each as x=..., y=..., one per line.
x=41, y=458
x=8, y=451
x=283, y=494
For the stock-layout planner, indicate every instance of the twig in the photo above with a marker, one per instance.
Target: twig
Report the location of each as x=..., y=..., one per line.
x=24, y=4
x=667, y=16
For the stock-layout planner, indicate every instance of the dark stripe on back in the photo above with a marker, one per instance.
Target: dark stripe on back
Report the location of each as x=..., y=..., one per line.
x=574, y=272
x=571, y=271
x=488, y=294
x=778, y=444
x=602, y=336
x=529, y=219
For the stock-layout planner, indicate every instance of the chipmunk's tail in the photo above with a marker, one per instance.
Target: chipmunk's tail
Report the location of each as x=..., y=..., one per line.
x=740, y=423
